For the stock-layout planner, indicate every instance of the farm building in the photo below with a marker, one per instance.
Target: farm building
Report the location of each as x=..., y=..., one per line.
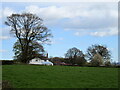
x=39, y=61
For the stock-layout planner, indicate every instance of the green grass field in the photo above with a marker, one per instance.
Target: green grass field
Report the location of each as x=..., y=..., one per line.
x=32, y=76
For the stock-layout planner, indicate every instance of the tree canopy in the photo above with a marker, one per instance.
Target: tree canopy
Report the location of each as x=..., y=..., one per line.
x=34, y=50
x=28, y=27
x=75, y=56
x=95, y=51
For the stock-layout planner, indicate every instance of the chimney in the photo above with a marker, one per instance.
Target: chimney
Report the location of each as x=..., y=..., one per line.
x=47, y=55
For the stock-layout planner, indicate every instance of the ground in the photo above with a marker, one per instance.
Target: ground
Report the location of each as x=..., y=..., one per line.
x=35, y=76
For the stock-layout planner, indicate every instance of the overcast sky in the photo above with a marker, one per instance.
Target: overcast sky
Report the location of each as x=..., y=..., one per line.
x=78, y=24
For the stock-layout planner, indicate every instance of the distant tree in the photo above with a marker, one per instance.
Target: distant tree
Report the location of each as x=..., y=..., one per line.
x=75, y=56
x=97, y=51
x=34, y=50
x=29, y=27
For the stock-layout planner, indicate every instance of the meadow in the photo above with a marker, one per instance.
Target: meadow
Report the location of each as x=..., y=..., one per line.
x=35, y=76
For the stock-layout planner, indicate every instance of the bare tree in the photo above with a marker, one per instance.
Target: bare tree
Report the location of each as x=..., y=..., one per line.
x=29, y=27
x=98, y=49
x=74, y=54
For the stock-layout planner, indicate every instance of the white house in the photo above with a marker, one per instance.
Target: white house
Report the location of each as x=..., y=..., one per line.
x=39, y=61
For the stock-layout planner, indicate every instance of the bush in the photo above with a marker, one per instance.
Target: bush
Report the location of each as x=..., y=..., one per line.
x=107, y=63
x=7, y=62
x=87, y=64
x=80, y=61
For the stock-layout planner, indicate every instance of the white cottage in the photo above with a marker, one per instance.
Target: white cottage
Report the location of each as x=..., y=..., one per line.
x=39, y=61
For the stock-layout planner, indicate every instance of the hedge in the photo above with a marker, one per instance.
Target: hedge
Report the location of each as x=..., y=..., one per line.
x=7, y=62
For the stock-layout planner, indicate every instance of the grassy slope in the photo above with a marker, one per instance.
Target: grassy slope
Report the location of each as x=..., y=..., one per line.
x=31, y=76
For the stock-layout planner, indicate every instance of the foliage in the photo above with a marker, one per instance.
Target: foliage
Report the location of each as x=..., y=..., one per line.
x=107, y=63
x=80, y=61
x=75, y=56
x=97, y=60
x=34, y=76
x=98, y=49
x=29, y=27
x=34, y=50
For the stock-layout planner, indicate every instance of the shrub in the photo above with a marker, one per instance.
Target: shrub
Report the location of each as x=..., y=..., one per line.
x=107, y=63
x=7, y=62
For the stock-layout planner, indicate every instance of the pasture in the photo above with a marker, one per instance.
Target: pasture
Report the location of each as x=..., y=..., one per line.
x=35, y=76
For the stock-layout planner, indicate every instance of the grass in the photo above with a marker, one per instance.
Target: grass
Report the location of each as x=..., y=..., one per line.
x=32, y=76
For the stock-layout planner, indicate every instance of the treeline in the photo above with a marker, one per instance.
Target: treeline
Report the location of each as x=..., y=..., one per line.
x=96, y=55
x=6, y=62
x=32, y=34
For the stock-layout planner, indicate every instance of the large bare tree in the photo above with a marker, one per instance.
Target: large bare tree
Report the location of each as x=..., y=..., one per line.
x=29, y=27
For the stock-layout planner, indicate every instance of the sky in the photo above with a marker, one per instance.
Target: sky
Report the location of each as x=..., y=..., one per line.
x=73, y=24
